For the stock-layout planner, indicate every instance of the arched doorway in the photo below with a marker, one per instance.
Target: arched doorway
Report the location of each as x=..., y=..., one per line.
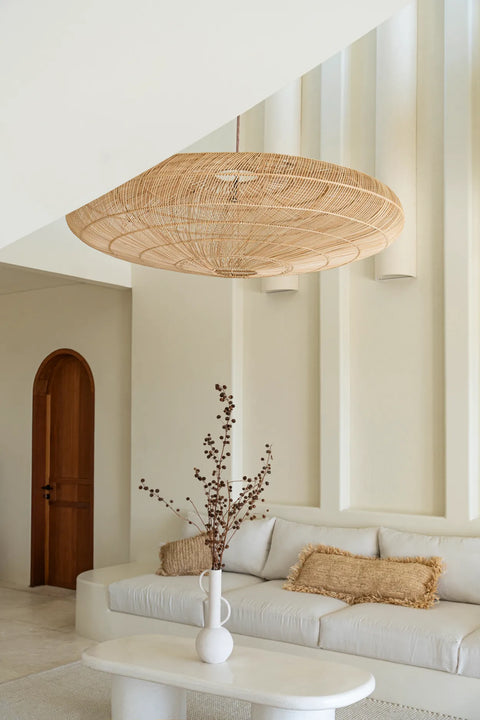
x=62, y=470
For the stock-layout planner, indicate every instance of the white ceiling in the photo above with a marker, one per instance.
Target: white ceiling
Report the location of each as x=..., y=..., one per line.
x=15, y=279
x=94, y=93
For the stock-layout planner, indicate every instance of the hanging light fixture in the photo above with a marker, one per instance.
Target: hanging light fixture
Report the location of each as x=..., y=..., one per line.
x=242, y=215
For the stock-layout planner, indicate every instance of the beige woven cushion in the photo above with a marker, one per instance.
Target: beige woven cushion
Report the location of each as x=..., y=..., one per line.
x=357, y=579
x=185, y=557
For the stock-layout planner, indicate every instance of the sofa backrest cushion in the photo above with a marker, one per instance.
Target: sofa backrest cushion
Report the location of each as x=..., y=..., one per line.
x=248, y=548
x=289, y=538
x=460, y=581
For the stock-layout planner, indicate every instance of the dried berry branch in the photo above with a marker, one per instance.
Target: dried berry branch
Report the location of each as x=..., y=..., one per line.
x=224, y=513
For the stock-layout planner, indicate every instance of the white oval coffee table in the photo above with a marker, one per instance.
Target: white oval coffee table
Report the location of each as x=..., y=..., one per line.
x=151, y=674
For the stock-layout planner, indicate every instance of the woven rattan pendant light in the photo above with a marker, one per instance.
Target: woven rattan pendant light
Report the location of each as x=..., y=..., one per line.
x=242, y=215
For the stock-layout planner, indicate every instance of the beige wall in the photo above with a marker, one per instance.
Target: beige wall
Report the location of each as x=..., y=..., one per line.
x=396, y=326
x=362, y=386
x=181, y=347
x=281, y=388
x=94, y=321
x=348, y=377
x=185, y=339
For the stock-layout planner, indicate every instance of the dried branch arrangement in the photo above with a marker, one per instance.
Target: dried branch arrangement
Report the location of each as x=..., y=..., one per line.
x=223, y=513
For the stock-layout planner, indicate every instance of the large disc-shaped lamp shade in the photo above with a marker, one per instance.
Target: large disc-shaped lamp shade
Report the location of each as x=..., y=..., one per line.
x=242, y=215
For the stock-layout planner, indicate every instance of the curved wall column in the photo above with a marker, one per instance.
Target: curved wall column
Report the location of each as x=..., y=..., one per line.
x=396, y=134
x=282, y=134
x=461, y=268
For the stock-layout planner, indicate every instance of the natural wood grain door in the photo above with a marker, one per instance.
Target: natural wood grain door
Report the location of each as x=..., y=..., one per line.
x=62, y=470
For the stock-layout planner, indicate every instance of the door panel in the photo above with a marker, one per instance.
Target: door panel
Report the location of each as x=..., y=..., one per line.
x=67, y=414
x=39, y=478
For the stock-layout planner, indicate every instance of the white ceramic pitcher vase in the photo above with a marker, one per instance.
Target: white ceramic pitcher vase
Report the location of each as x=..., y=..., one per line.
x=214, y=643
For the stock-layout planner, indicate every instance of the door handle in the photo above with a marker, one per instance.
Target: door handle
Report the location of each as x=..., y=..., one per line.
x=47, y=487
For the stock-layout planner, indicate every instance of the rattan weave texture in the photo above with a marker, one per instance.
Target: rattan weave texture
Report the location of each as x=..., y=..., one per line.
x=242, y=215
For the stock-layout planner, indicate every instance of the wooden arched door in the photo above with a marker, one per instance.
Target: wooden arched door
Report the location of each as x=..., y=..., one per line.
x=62, y=470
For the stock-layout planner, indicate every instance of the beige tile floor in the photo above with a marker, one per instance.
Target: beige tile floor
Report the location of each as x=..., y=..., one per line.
x=37, y=630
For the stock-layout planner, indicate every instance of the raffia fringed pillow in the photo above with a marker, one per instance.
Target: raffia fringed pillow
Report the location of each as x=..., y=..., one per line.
x=356, y=579
x=185, y=557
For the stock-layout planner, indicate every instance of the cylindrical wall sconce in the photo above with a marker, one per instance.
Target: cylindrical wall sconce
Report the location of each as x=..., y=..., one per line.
x=396, y=136
x=280, y=283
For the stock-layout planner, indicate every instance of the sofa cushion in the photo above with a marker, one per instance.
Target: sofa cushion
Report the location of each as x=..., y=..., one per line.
x=460, y=581
x=268, y=611
x=178, y=599
x=469, y=655
x=189, y=556
x=248, y=548
x=426, y=638
x=326, y=570
x=289, y=538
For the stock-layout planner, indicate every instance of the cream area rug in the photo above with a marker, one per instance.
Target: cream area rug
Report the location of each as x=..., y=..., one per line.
x=74, y=692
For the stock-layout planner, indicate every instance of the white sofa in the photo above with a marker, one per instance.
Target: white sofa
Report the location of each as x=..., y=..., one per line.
x=428, y=659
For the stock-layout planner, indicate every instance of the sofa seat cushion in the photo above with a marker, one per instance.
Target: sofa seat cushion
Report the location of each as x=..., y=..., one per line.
x=268, y=611
x=177, y=599
x=469, y=655
x=426, y=638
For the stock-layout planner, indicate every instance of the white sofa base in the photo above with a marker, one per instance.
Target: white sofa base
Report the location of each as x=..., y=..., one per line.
x=408, y=685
